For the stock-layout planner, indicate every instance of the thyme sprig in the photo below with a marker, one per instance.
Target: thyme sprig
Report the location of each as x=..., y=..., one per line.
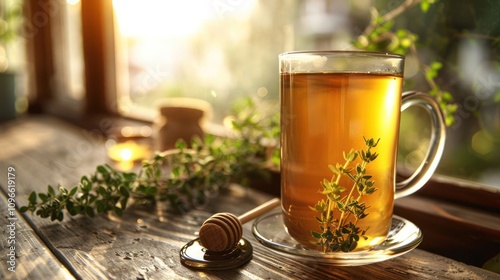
x=340, y=213
x=178, y=176
x=185, y=177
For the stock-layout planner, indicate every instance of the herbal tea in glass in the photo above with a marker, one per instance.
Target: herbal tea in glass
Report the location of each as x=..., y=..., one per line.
x=340, y=115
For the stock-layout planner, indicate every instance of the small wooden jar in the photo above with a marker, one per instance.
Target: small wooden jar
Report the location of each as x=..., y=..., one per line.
x=180, y=118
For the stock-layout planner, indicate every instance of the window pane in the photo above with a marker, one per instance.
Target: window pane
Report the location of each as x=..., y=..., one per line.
x=221, y=50
x=75, y=53
x=68, y=52
x=463, y=37
x=213, y=50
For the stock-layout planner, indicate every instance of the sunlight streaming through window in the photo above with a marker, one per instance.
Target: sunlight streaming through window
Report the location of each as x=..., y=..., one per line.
x=187, y=49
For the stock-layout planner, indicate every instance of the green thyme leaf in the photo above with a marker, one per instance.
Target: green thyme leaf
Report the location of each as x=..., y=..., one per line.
x=345, y=234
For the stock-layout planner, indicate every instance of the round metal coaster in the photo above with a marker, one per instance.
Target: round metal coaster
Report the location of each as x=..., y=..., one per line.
x=196, y=256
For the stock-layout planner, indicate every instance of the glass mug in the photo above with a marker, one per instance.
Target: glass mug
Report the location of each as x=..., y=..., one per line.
x=332, y=102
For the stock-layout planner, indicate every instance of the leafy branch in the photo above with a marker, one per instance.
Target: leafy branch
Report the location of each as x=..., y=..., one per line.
x=340, y=232
x=185, y=177
x=380, y=35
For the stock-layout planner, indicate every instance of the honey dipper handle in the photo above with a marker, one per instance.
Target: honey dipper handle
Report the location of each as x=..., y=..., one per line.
x=259, y=210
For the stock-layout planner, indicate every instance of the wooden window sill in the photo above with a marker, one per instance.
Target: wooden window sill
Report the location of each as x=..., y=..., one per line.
x=459, y=232
x=459, y=218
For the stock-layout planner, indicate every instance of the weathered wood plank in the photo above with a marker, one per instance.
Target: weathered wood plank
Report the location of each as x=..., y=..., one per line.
x=24, y=256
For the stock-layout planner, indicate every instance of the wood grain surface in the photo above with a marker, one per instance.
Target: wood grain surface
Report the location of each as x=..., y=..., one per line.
x=145, y=242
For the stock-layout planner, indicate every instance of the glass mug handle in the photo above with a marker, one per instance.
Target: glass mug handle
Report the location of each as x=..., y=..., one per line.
x=438, y=136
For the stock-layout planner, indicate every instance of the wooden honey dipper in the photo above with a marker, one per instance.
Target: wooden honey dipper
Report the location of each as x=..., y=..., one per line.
x=222, y=231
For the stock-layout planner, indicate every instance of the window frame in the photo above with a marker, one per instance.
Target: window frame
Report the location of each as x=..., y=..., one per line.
x=43, y=27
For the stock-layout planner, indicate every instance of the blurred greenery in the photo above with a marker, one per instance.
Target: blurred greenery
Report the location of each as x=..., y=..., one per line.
x=464, y=36
x=10, y=20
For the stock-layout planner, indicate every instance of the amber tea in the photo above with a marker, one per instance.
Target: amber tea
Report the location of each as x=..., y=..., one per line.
x=338, y=190
x=323, y=116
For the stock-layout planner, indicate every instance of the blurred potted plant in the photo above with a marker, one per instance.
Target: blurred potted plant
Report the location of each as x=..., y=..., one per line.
x=10, y=19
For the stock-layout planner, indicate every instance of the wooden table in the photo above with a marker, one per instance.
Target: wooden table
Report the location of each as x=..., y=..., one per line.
x=143, y=244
